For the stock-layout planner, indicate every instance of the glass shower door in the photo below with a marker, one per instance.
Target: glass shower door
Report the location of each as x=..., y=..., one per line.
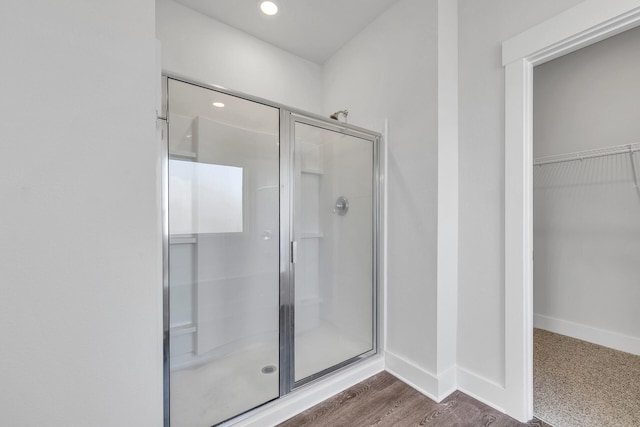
x=223, y=175
x=333, y=231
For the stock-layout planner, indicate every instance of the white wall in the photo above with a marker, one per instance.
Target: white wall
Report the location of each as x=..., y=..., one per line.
x=589, y=98
x=483, y=27
x=80, y=237
x=390, y=71
x=209, y=51
x=587, y=214
x=78, y=167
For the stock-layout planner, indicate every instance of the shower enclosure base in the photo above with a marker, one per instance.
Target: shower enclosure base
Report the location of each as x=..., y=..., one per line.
x=200, y=398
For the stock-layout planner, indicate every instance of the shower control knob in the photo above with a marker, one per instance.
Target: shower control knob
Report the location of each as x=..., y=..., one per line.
x=342, y=206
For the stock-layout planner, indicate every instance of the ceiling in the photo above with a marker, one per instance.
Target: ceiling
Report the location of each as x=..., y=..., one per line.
x=311, y=29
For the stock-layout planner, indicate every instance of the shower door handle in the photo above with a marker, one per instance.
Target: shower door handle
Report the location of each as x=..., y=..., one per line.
x=294, y=252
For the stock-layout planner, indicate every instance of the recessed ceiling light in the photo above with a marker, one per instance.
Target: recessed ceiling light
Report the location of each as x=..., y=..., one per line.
x=218, y=104
x=269, y=8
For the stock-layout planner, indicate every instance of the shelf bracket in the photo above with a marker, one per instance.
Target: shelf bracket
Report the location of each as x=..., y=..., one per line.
x=633, y=171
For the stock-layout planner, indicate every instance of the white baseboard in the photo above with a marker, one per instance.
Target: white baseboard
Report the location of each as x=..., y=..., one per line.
x=448, y=382
x=482, y=389
x=435, y=387
x=601, y=337
x=288, y=406
x=432, y=386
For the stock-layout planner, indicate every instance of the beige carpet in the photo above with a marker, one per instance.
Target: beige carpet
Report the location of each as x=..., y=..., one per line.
x=579, y=384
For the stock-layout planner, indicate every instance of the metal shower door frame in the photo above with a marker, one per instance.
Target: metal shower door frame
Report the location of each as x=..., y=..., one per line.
x=288, y=117
x=289, y=121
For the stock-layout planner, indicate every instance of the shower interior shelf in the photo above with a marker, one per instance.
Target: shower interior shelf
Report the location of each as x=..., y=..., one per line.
x=182, y=154
x=312, y=171
x=187, y=328
x=311, y=158
x=312, y=235
x=183, y=240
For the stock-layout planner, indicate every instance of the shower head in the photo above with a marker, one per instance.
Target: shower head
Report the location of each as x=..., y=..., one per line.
x=335, y=115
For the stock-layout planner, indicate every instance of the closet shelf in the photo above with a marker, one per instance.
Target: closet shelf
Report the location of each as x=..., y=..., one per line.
x=588, y=154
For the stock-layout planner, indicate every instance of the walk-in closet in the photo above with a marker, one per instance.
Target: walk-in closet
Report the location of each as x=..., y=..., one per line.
x=586, y=235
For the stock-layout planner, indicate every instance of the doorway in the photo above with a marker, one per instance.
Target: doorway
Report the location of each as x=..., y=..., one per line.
x=586, y=223
x=580, y=26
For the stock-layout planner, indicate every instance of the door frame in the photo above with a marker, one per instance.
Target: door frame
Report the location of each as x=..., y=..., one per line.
x=288, y=121
x=587, y=23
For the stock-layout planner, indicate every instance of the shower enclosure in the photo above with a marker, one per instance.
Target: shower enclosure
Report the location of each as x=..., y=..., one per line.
x=270, y=251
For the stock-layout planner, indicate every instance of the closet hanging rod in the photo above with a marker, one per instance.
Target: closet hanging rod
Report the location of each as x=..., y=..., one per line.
x=588, y=154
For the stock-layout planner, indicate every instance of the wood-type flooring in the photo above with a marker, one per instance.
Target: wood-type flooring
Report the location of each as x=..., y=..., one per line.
x=383, y=400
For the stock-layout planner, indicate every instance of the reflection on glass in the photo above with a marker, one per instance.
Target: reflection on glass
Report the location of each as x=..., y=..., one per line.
x=205, y=198
x=334, y=270
x=223, y=262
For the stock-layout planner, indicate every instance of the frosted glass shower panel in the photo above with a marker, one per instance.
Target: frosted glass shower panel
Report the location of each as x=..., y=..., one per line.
x=334, y=276
x=223, y=255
